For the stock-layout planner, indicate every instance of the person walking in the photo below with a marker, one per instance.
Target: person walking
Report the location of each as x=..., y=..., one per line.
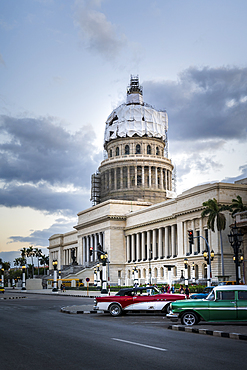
x=187, y=292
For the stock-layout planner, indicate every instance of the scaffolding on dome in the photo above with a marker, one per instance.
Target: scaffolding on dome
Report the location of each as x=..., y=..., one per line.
x=134, y=86
x=95, y=188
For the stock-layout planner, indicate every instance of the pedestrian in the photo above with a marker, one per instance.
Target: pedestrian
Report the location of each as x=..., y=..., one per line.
x=61, y=287
x=173, y=290
x=168, y=289
x=187, y=292
x=162, y=289
x=181, y=290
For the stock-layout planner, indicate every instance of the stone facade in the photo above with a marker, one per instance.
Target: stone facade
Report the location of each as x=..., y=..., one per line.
x=150, y=236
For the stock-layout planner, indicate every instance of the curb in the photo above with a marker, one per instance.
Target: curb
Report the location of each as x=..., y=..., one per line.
x=64, y=310
x=13, y=297
x=215, y=333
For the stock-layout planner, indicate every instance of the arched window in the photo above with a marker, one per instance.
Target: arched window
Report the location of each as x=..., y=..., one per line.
x=148, y=149
x=127, y=149
x=157, y=150
x=117, y=151
x=138, y=149
x=110, y=153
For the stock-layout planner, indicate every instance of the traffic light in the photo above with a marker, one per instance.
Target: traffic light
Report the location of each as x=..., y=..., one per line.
x=91, y=251
x=191, y=236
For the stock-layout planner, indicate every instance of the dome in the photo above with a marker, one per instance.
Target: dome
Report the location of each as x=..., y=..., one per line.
x=135, y=117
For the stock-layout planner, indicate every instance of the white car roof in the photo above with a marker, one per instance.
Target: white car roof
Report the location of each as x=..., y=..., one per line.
x=231, y=287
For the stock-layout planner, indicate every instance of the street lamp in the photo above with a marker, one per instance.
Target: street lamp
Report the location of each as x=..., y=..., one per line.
x=186, y=279
x=2, y=271
x=235, y=239
x=208, y=257
x=55, y=276
x=150, y=270
x=193, y=273
x=94, y=276
x=135, y=273
x=98, y=277
x=103, y=258
x=23, y=277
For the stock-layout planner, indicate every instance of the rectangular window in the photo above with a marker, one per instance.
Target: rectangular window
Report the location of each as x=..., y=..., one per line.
x=242, y=295
x=226, y=295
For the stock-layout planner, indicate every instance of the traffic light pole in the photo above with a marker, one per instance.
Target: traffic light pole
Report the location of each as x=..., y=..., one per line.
x=209, y=268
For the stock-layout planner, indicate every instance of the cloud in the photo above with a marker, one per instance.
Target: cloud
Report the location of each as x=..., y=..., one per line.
x=97, y=32
x=203, y=104
x=40, y=237
x=43, y=166
x=243, y=175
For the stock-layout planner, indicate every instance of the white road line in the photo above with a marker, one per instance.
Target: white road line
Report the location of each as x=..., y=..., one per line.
x=139, y=344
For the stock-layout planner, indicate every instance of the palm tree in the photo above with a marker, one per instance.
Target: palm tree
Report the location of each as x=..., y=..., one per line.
x=38, y=254
x=237, y=205
x=30, y=252
x=214, y=212
x=44, y=261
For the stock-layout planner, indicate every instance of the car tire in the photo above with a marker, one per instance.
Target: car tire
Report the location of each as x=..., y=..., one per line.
x=189, y=319
x=115, y=310
x=167, y=309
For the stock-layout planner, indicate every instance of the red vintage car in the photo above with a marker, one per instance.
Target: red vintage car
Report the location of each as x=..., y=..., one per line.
x=144, y=299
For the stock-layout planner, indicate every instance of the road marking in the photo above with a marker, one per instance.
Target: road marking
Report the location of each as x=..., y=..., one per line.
x=139, y=344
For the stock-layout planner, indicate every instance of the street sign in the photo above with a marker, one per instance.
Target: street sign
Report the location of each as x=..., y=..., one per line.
x=87, y=280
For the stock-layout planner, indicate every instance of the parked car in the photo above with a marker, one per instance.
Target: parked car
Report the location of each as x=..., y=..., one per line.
x=227, y=283
x=1, y=289
x=224, y=303
x=145, y=299
x=202, y=295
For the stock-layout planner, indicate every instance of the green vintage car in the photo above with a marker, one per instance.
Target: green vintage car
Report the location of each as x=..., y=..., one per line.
x=224, y=303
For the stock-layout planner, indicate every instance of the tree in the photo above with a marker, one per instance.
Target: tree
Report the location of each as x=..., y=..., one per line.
x=214, y=212
x=38, y=254
x=237, y=205
x=30, y=252
x=20, y=261
x=44, y=261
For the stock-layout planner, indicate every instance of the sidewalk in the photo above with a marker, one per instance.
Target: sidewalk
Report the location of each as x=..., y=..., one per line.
x=73, y=293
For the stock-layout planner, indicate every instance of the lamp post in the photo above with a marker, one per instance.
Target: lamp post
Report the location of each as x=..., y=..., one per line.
x=208, y=257
x=193, y=273
x=2, y=272
x=103, y=258
x=98, y=277
x=95, y=277
x=23, y=277
x=150, y=270
x=235, y=239
x=186, y=279
x=55, y=276
x=135, y=273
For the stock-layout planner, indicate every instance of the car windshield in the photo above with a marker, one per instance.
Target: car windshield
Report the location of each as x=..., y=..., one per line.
x=210, y=297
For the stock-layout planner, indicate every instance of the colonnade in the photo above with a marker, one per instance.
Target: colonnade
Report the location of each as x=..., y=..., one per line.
x=133, y=176
x=91, y=243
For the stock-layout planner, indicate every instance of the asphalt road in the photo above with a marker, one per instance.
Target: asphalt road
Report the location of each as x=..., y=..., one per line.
x=36, y=335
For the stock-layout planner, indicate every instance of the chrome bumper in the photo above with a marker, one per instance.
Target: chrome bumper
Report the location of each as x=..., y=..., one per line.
x=172, y=316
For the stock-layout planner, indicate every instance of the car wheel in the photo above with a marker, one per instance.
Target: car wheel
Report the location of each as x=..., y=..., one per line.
x=189, y=319
x=167, y=309
x=115, y=310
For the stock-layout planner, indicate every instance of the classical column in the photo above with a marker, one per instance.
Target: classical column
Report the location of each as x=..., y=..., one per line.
x=83, y=251
x=160, y=243
x=173, y=241
x=148, y=244
x=91, y=246
x=143, y=256
x=115, y=178
x=135, y=176
x=193, y=229
x=95, y=247
x=143, y=177
x=161, y=178
x=138, y=257
x=133, y=254
x=185, y=239
x=88, y=255
x=150, y=179
x=121, y=177
x=166, y=242
x=156, y=177
x=154, y=245
x=128, y=248
x=128, y=177
x=201, y=233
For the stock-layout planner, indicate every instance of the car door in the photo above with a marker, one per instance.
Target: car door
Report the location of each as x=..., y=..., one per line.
x=242, y=305
x=224, y=307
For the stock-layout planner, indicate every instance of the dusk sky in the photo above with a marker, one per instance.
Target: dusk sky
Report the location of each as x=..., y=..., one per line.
x=65, y=65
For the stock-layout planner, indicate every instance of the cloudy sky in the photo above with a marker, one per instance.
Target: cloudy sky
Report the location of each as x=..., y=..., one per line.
x=65, y=64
